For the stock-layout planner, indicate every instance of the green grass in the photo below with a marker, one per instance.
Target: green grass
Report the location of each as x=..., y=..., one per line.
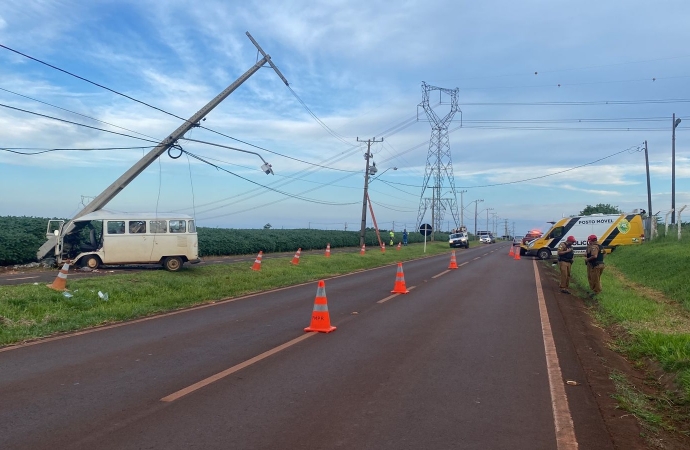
x=635, y=402
x=663, y=265
x=32, y=311
x=645, y=292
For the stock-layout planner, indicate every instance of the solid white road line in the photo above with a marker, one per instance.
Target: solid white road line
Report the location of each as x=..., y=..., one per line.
x=565, y=430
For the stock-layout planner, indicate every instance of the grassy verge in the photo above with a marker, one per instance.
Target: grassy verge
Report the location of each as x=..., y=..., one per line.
x=32, y=311
x=644, y=299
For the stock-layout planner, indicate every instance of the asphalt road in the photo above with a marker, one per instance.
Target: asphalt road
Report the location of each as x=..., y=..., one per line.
x=460, y=362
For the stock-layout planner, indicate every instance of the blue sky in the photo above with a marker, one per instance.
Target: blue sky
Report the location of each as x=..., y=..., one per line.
x=543, y=87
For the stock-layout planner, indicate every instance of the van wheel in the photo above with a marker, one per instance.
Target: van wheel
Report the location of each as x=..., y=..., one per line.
x=544, y=253
x=172, y=263
x=91, y=261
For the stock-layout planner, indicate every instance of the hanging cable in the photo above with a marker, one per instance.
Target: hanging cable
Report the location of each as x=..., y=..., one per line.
x=76, y=123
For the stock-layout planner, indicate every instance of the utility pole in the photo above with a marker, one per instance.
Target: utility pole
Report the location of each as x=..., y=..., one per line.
x=462, y=208
x=368, y=171
x=194, y=121
x=475, y=217
x=649, y=194
x=676, y=122
x=487, y=218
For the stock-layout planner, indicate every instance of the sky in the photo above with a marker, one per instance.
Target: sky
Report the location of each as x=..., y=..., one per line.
x=555, y=102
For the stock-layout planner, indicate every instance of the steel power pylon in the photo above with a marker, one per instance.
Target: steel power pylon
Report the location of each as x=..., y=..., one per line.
x=438, y=162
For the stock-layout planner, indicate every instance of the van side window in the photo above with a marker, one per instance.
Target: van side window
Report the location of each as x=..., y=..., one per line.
x=158, y=226
x=192, y=227
x=116, y=227
x=557, y=232
x=137, y=226
x=178, y=226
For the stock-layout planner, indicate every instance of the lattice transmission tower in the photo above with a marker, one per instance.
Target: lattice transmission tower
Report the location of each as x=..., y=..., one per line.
x=439, y=166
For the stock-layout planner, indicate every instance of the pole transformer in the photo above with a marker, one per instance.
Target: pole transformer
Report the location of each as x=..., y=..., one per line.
x=439, y=166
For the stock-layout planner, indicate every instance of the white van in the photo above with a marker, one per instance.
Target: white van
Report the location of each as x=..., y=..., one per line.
x=110, y=238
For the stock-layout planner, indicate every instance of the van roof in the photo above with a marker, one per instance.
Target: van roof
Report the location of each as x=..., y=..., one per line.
x=110, y=215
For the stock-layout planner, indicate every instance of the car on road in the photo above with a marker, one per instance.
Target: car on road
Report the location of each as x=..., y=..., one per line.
x=459, y=240
x=487, y=239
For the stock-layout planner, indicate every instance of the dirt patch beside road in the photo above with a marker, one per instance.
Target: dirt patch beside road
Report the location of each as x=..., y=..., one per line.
x=594, y=345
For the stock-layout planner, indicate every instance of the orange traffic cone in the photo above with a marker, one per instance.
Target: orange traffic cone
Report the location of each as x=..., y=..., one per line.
x=383, y=247
x=511, y=253
x=257, y=261
x=60, y=283
x=328, y=250
x=517, y=253
x=320, y=319
x=399, y=244
x=295, y=259
x=399, y=287
x=453, y=262
x=364, y=249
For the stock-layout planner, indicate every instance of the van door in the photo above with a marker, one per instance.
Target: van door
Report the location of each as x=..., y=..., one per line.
x=140, y=242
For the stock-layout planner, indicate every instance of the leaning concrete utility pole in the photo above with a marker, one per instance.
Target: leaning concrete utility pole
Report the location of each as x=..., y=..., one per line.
x=367, y=155
x=118, y=185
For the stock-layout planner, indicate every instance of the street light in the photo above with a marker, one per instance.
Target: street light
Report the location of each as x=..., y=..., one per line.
x=379, y=175
x=266, y=167
x=462, y=209
x=676, y=122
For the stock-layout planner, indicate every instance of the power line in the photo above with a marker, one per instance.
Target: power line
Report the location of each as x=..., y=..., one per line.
x=91, y=82
x=75, y=123
x=635, y=148
x=74, y=112
x=287, y=194
x=48, y=150
x=166, y=112
x=581, y=103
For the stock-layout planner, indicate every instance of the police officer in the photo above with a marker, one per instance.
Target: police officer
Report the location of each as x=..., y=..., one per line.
x=405, y=236
x=392, y=237
x=565, y=262
x=595, y=264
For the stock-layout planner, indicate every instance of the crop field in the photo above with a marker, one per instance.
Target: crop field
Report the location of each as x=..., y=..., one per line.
x=20, y=238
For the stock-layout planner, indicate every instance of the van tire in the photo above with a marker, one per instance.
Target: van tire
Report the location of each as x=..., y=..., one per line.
x=172, y=263
x=93, y=262
x=544, y=253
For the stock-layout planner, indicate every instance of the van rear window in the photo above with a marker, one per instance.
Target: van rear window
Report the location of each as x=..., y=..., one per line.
x=158, y=226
